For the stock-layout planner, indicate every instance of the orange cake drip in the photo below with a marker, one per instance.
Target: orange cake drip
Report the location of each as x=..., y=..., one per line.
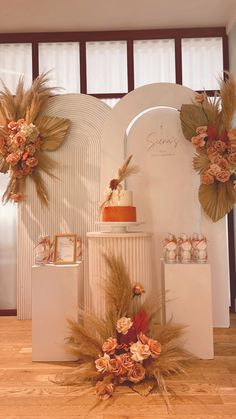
x=119, y=214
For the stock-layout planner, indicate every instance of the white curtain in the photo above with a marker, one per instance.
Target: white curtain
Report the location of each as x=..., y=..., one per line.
x=62, y=59
x=15, y=61
x=106, y=67
x=154, y=61
x=8, y=249
x=202, y=61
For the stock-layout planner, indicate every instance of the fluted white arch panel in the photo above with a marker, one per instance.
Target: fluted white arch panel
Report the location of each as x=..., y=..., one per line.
x=123, y=114
x=135, y=250
x=73, y=197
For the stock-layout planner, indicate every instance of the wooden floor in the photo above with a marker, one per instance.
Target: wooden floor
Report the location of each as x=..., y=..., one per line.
x=208, y=391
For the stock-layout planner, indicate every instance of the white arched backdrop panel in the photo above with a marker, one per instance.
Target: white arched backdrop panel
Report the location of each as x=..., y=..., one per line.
x=166, y=190
x=74, y=197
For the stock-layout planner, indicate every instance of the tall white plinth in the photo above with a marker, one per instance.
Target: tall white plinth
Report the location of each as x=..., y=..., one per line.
x=135, y=250
x=187, y=289
x=57, y=290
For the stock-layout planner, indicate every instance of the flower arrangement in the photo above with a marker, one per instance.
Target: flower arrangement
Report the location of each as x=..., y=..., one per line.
x=126, y=347
x=116, y=184
x=25, y=133
x=207, y=124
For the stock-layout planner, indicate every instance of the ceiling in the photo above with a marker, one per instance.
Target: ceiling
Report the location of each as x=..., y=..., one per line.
x=89, y=15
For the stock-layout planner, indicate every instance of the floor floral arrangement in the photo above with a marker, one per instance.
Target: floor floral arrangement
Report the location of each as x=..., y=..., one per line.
x=207, y=123
x=128, y=346
x=25, y=134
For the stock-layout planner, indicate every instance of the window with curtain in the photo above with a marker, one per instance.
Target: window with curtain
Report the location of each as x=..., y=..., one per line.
x=15, y=61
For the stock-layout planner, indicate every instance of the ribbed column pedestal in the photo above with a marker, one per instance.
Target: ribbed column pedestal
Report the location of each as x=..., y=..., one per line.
x=135, y=250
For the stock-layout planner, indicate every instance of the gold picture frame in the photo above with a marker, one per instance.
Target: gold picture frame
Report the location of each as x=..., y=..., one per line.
x=65, y=249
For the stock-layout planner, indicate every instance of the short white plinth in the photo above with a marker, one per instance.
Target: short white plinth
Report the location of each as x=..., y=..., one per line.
x=57, y=290
x=188, y=296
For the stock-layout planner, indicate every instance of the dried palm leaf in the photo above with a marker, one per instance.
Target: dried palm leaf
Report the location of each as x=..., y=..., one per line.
x=200, y=162
x=217, y=199
x=192, y=116
x=52, y=131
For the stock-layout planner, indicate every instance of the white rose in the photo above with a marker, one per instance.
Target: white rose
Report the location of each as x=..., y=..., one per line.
x=123, y=325
x=103, y=363
x=139, y=351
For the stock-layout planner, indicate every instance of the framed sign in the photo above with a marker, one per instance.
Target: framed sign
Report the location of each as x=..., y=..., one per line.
x=65, y=248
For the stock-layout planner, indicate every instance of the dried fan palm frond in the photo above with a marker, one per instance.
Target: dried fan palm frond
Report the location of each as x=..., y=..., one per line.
x=228, y=100
x=192, y=116
x=52, y=130
x=217, y=199
x=200, y=162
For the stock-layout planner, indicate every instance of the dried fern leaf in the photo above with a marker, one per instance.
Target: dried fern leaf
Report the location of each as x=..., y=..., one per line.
x=217, y=199
x=200, y=162
x=192, y=116
x=52, y=131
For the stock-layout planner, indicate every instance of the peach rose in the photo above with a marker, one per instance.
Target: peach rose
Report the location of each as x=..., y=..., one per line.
x=123, y=325
x=104, y=391
x=232, y=158
x=126, y=361
x=154, y=345
x=207, y=178
x=232, y=134
x=223, y=163
x=109, y=345
x=198, y=141
x=214, y=158
x=31, y=162
x=38, y=143
x=220, y=146
x=138, y=289
x=202, y=130
x=200, y=97
x=17, y=197
x=214, y=169
x=116, y=366
x=137, y=373
x=139, y=351
x=103, y=363
x=223, y=176
x=19, y=140
x=233, y=148
x=13, y=158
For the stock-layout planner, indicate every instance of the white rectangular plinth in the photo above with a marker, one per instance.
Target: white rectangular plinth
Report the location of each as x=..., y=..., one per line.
x=188, y=296
x=56, y=291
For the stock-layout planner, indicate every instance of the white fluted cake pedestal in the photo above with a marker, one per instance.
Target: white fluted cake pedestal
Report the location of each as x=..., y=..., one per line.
x=135, y=250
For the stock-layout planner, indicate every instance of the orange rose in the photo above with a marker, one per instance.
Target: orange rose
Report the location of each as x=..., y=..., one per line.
x=109, y=345
x=137, y=373
x=223, y=163
x=154, y=345
x=232, y=158
x=223, y=176
x=31, y=162
x=138, y=289
x=202, y=130
x=232, y=134
x=126, y=361
x=116, y=366
x=17, y=197
x=214, y=158
x=198, y=141
x=220, y=146
x=207, y=178
x=19, y=140
x=13, y=158
x=214, y=169
x=104, y=391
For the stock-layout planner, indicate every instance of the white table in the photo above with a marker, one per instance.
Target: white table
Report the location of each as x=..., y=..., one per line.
x=187, y=289
x=57, y=290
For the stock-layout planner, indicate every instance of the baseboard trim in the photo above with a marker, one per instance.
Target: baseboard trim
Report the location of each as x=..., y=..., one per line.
x=8, y=312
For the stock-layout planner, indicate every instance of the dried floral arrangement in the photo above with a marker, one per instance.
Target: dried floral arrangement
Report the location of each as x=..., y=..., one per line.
x=208, y=125
x=25, y=135
x=116, y=184
x=126, y=347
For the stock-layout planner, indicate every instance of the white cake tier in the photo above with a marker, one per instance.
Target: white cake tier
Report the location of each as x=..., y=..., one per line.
x=122, y=198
